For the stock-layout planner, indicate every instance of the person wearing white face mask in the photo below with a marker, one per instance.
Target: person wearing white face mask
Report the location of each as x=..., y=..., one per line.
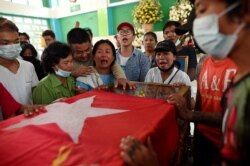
x=222, y=30
x=57, y=61
x=17, y=76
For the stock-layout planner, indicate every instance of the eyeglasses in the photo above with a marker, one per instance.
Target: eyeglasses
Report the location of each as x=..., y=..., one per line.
x=123, y=32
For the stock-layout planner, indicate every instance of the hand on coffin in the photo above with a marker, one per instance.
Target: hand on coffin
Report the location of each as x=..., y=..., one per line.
x=135, y=153
x=124, y=83
x=181, y=105
x=29, y=110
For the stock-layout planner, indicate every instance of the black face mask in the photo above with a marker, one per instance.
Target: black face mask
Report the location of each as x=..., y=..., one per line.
x=28, y=58
x=166, y=70
x=22, y=43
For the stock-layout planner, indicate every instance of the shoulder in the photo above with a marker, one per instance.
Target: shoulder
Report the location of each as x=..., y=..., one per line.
x=50, y=81
x=153, y=71
x=23, y=62
x=182, y=74
x=138, y=52
x=26, y=65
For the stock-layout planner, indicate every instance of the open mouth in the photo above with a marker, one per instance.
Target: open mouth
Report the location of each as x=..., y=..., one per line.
x=104, y=62
x=163, y=64
x=125, y=39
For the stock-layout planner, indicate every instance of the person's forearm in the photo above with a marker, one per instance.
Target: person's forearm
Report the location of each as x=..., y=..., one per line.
x=118, y=72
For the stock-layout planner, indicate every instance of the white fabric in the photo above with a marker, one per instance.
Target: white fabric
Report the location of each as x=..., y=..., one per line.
x=69, y=117
x=123, y=59
x=20, y=84
x=154, y=75
x=94, y=80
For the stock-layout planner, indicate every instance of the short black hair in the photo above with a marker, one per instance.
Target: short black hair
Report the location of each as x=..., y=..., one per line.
x=166, y=45
x=97, y=44
x=170, y=23
x=88, y=30
x=77, y=36
x=52, y=55
x=7, y=25
x=24, y=34
x=151, y=34
x=49, y=33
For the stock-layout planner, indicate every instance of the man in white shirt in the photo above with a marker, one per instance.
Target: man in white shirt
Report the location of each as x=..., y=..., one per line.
x=17, y=76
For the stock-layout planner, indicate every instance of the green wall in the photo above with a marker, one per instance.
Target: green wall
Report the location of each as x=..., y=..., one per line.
x=86, y=20
x=120, y=14
x=165, y=6
x=124, y=13
x=103, y=26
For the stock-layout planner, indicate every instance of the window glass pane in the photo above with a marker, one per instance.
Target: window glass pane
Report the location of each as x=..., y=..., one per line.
x=44, y=22
x=38, y=22
x=17, y=19
x=20, y=26
x=7, y=17
x=35, y=28
x=26, y=28
x=28, y=20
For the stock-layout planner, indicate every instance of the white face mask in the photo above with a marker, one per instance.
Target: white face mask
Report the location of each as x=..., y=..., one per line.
x=209, y=39
x=62, y=73
x=10, y=51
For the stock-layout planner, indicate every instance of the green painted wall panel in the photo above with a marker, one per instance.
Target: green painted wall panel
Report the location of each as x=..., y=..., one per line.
x=86, y=20
x=165, y=6
x=113, y=1
x=45, y=3
x=103, y=22
x=121, y=14
x=124, y=13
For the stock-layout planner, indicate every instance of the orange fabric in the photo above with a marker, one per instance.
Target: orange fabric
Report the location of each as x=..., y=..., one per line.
x=213, y=81
x=100, y=137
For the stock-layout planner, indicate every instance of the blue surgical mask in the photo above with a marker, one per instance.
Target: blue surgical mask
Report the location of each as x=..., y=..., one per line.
x=62, y=73
x=10, y=51
x=209, y=39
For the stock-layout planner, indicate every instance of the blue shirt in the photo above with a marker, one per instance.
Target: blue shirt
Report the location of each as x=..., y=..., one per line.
x=136, y=67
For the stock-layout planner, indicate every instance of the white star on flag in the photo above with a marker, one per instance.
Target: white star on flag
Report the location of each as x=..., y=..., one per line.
x=69, y=117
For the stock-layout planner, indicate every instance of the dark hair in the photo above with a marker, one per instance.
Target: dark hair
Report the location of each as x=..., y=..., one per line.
x=7, y=25
x=237, y=12
x=52, y=54
x=49, y=33
x=31, y=47
x=166, y=45
x=151, y=34
x=96, y=46
x=24, y=34
x=170, y=23
x=77, y=36
x=88, y=30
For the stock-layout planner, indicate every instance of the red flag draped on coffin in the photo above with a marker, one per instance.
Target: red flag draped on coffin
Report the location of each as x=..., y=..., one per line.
x=47, y=144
